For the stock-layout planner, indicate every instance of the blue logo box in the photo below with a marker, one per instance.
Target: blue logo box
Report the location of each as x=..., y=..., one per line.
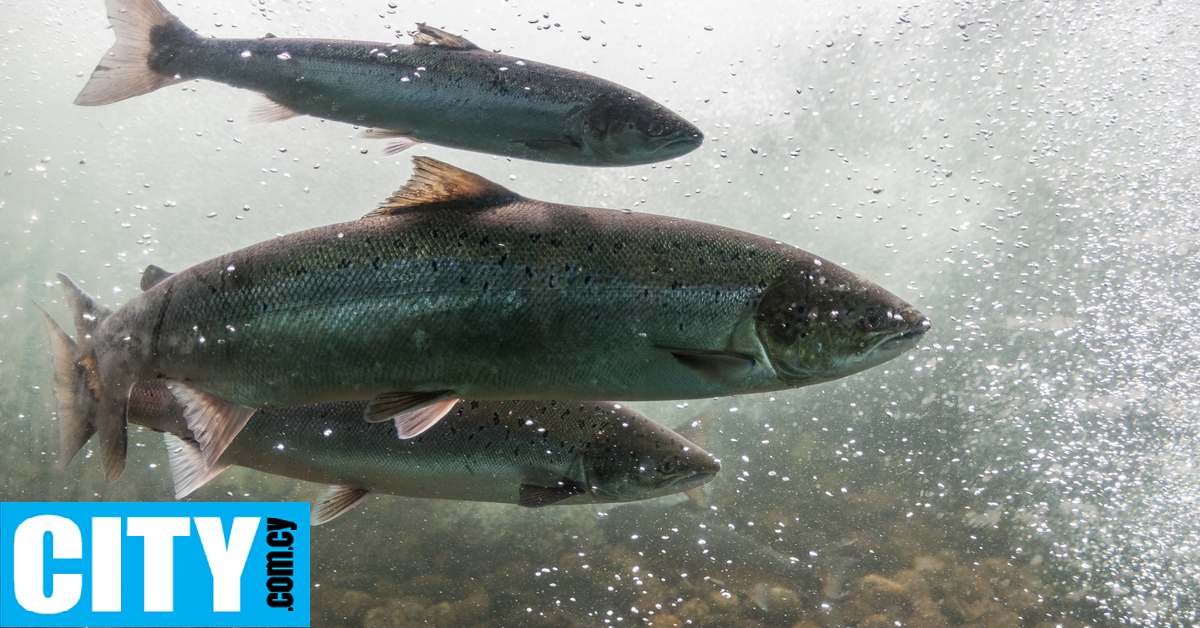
x=154, y=564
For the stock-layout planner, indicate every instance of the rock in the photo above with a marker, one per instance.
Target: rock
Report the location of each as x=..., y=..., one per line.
x=397, y=613
x=347, y=606
x=876, y=621
x=665, y=620
x=876, y=595
x=784, y=601
x=926, y=614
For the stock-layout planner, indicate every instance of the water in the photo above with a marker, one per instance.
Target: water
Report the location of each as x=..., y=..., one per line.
x=1024, y=172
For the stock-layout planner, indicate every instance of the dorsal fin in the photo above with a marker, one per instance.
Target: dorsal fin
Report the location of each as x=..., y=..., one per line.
x=152, y=276
x=426, y=35
x=433, y=181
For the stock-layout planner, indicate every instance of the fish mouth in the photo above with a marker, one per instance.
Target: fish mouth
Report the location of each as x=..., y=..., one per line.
x=905, y=340
x=682, y=144
x=698, y=478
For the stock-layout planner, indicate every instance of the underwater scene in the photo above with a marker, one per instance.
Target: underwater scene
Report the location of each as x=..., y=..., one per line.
x=894, y=306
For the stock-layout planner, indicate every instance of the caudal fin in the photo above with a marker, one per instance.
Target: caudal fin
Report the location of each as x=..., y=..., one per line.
x=86, y=405
x=75, y=406
x=124, y=71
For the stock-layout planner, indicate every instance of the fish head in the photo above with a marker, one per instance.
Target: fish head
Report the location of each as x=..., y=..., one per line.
x=626, y=128
x=819, y=321
x=630, y=460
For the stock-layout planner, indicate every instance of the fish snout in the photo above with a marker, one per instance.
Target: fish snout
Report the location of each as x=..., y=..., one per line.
x=912, y=327
x=703, y=471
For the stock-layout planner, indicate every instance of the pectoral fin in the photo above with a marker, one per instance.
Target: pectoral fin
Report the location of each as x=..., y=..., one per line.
x=538, y=496
x=401, y=140
x=213, y=421
x=393, y=404
x=335, y=500
x=713, y=366
x=566, y=145
x=187, y=465
x=411, y=424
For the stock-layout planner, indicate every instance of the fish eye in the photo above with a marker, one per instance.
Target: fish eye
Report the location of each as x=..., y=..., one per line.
x=656, y=128
x=872, y=319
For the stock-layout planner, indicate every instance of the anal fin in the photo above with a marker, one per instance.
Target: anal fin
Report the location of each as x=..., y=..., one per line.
x=713, y=366
x=187, y=465
x=213, y=420
x=537, y=496
x=335, y=500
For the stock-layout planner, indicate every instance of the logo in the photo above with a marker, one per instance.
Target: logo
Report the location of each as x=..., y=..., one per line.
x=154, y=564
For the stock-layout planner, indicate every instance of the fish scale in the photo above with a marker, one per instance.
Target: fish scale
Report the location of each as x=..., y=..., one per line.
x=322, y=279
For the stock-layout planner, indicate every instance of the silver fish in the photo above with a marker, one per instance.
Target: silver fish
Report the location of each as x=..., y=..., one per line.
x=529, y=453
x=458, y=288
x=443, y=90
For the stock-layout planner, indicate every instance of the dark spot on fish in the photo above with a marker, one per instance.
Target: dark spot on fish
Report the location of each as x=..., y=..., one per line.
x=474, y=405
x=375, y=263
x=462, y=279
x=434, y=264
x=534, y=237
x=485, y=286
x=398, y=243
x=484, y=241
x=502, y=258
x=701, y=261
x=529, y=272
x=302, y=271
x=675, y=284
x=590, y=248
x=618, y=246
x=587, y=280
x=555, y=243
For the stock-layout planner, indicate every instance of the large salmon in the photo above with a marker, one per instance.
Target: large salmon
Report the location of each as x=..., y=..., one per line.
x=459, y=288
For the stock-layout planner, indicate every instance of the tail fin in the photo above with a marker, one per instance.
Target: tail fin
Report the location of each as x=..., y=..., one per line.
x=91, y=405
x=75, y=406
x=124, y=71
